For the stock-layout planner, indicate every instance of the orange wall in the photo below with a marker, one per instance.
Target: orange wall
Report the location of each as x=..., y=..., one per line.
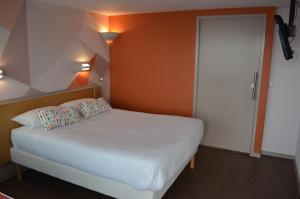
x=152, y=62
x=9, y=11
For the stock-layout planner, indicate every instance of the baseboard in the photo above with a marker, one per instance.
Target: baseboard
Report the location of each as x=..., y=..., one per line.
x=278, y=155
x=255, y=155
x=297, y=175
x=7, y=171
x=222, y=149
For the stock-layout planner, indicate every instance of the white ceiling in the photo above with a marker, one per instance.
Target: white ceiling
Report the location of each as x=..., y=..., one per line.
x=119, y=7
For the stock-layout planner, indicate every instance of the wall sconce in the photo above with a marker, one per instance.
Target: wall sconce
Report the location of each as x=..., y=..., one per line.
x=1, y=74
x=85, y=67
x=110, y=36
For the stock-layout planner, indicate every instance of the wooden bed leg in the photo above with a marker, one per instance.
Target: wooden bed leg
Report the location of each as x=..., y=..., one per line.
x=192, y=163
x=19, y=172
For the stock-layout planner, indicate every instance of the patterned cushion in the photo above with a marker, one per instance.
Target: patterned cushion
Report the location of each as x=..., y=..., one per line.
x=104, y=104
x=71, y=115
x=31, y=119
x=92, y=108
x=51, y=118
x=76, y=104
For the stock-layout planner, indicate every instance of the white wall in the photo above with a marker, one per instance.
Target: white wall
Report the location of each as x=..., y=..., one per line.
x=283, y=109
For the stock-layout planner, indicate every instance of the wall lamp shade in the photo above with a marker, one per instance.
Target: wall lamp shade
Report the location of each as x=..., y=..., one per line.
x=110, y=36
x=85, y=67
x=1, y=74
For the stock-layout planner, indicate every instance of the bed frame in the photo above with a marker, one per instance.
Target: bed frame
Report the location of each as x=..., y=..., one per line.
x=86, y=180
x=11, y=108
x=63, y=172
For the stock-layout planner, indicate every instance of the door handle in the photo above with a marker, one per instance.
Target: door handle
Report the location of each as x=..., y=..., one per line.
x=254, y=86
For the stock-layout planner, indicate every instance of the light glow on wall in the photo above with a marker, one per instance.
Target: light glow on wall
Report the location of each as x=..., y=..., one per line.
x=104, y=29
x=82, y=57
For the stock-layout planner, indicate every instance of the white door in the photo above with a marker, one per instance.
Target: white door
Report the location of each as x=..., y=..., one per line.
x=229, y=59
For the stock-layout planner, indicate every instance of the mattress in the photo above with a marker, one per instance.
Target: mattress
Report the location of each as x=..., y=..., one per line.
x=141, y=150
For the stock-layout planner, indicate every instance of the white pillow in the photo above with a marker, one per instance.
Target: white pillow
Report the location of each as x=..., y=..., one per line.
x=30, y=118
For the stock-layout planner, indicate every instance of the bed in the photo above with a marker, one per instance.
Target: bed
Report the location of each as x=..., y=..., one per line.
x=123, y=154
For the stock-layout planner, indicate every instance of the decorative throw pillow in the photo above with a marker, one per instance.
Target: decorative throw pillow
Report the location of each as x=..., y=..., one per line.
x=92, y=108
x=71, y=115
x=105, y=106
x=75, y=103
x=51, y=119
x=30, y=118
x=88, y=109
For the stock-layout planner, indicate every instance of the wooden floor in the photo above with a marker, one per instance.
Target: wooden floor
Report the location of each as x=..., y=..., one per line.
x=218, y=175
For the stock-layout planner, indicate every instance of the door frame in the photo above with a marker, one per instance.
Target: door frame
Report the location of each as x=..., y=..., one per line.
x=252, y=153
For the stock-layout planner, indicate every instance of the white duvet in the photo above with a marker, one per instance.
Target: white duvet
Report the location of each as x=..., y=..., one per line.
x=141, y=150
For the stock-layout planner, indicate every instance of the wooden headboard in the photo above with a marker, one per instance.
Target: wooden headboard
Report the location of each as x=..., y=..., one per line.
x=10, y=109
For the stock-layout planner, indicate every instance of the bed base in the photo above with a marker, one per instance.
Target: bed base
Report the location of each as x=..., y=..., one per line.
x=192, y=162
x=18, y=172
x=83, y=179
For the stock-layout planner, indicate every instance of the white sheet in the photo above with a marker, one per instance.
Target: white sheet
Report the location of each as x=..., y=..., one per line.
x=141, y=150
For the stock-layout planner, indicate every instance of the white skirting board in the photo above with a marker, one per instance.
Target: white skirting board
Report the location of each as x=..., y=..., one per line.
x=278, y=155
x=95, y=183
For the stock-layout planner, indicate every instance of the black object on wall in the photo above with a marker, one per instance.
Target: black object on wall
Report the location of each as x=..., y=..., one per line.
x=286, y=31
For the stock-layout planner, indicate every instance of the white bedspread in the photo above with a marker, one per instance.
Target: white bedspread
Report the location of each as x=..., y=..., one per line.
x=141, y=150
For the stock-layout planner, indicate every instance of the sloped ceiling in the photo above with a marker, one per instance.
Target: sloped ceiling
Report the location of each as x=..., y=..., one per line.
x=119, y=7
